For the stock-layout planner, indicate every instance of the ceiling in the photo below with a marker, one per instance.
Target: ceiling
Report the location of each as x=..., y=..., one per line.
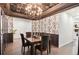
x=74, y=12
x=18, y=9
x=21, y=8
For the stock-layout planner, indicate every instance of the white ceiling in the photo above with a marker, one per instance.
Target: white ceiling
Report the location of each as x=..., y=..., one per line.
x=74, y=12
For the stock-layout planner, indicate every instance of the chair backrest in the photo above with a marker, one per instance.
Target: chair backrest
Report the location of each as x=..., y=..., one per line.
x=28, y=34
x=22, y=38
x=45, y=41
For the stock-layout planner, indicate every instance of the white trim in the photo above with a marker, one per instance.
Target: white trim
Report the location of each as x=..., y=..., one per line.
x=65, y=44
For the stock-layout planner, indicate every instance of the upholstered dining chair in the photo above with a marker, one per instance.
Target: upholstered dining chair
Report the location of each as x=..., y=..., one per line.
x=28, y=34
x=25, y=42
x=44, y=45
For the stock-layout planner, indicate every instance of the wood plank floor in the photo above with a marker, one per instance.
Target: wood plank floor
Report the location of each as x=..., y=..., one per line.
x=15, y=49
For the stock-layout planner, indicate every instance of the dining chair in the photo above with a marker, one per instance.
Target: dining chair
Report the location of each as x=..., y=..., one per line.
x=44, y=45
x=25, y=42
x=28, y=34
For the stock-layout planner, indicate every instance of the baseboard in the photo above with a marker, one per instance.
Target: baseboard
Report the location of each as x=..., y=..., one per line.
x=65, y=44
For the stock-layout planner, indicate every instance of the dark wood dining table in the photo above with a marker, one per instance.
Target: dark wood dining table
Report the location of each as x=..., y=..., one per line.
x=33, y=42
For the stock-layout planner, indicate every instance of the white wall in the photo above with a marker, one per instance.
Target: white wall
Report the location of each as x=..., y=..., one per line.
x=65, y=29
x=22, y=26
x=74, y=13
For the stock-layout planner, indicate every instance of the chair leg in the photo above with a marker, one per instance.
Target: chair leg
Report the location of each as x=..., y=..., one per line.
x=41, y=52
x=24, y=49
x=28, y=47
x=35, y=51
x=47, y=52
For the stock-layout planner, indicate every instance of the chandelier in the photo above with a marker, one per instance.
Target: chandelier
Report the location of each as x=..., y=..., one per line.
x=33, y=9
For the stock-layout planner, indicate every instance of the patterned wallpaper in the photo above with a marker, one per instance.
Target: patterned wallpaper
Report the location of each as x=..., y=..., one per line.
x=10, y=23
x=48, y=25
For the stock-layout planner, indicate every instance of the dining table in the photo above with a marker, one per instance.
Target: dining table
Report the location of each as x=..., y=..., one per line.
x=34, y=41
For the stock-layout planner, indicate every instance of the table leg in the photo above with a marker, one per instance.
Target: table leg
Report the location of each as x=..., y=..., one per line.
x=32, y=46
x=49, y=47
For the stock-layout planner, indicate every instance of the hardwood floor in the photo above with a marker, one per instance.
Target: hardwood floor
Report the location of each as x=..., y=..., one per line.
x=15, y=49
